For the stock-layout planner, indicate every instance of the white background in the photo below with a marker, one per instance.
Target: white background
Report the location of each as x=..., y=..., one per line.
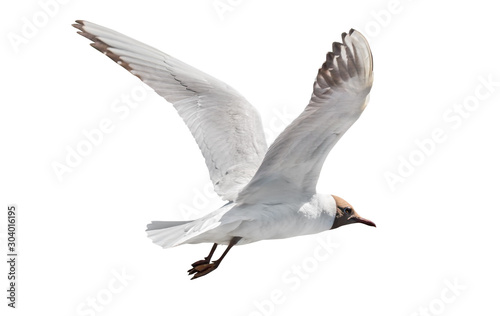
x=437, y=225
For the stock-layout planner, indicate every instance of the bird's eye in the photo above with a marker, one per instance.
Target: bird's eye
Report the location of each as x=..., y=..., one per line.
x=347, y=210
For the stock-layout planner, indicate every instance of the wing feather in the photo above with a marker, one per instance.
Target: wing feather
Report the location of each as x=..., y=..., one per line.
x=340, y=93
x=227, y=129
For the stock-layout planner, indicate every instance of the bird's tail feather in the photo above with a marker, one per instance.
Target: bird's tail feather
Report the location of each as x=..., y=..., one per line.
x=167, y=234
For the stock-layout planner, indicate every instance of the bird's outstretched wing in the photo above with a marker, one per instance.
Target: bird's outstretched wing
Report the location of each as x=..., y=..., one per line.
x=226, y=127
x=293, y=162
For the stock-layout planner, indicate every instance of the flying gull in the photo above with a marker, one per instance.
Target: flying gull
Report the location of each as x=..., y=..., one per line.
x=271, y=192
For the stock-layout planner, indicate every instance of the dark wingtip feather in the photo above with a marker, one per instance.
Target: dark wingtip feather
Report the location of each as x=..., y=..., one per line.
x=336, y=48
x=101, y=46
x=342, y=63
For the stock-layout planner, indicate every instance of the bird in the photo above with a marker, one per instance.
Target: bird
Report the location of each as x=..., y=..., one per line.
x=270, y=191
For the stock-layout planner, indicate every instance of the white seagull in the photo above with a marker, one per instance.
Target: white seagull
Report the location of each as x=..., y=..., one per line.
x=271, y=191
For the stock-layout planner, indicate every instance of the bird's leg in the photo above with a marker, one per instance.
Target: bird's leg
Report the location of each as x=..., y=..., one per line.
x=204, y=269
x=203, y=261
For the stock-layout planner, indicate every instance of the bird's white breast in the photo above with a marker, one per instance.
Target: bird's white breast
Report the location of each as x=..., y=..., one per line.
x=284, y=220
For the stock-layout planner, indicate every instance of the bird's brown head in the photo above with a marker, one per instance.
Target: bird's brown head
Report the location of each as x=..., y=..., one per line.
x=347, y=215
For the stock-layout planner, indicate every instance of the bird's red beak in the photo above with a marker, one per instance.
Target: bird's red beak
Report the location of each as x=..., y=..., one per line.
x=364, y=221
